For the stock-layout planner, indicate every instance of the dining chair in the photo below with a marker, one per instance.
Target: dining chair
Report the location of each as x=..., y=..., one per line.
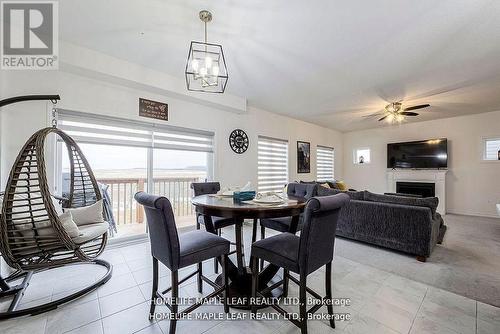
x=207, y=188
x=179, y=251
x=282, y=224
x=302, y=255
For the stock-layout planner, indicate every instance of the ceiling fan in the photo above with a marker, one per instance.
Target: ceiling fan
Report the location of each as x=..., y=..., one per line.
x=393, y=112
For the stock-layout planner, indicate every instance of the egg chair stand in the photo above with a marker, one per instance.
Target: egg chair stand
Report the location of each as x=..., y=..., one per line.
x=32, y=237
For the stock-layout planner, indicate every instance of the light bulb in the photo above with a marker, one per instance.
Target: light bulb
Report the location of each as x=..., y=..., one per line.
x=195, y=64
x=208, y=62
x=390, y=118
x=203, y=71
x=215, y=70
x=400, y=118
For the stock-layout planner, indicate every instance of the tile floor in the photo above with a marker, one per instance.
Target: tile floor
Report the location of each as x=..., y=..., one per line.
x=381, y=302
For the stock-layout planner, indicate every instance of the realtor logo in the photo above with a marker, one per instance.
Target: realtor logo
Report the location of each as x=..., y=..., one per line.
x=29, y=35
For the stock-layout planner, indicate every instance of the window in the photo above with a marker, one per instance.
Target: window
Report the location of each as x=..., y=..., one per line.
x=491, y=147
x=130, y=156
x=361, y=156
x=272, y=164
x=324, y=163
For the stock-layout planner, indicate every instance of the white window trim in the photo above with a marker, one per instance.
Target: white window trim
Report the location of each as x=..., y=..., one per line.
x=355, y=156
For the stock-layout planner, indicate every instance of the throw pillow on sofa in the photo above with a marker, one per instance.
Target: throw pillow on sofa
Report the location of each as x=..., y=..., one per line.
x=355, y=195
x=45, y=229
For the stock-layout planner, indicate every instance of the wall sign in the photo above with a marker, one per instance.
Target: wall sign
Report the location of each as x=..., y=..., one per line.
x=153, y=109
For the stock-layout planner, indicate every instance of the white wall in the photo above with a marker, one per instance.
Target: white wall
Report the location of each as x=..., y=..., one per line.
x=92, y=93
x=473, y=186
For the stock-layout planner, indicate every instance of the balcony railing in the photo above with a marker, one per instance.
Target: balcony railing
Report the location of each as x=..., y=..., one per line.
x=127, y=211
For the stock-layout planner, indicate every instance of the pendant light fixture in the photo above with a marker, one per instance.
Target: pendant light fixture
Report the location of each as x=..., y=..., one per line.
x=206, y=69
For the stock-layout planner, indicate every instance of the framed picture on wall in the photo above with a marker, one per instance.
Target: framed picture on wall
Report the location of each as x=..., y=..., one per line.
x=303, y=157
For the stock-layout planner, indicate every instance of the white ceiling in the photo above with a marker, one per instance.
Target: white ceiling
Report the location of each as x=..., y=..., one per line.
x=327, y=62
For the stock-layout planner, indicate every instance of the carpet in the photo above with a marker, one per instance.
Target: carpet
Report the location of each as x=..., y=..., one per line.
x=466, y=263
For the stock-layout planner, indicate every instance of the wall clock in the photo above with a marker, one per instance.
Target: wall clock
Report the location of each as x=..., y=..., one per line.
x=238, y=140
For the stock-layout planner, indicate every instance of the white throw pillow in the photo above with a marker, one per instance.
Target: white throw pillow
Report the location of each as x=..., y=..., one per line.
x=88, y=214
x=45, y=228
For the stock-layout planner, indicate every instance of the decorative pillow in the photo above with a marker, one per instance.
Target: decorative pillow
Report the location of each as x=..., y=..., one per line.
x=342, y=186
x=326, y=185
x=88, y=214
x=45, y=228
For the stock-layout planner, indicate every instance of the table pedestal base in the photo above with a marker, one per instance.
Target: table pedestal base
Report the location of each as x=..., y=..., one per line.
x=240, y=291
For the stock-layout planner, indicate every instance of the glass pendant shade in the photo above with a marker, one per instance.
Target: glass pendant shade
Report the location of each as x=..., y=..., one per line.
x=206, y=69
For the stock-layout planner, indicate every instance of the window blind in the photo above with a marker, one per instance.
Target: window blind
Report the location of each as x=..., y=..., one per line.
x=492, y=146
x=272, y=164
x=325, y=163
x=97, y=129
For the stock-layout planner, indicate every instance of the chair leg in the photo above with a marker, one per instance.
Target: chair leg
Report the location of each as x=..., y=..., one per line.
x=175, y=296
x=225, y=260
x=154, y=289
x=200, y=281
x=328, y=289
x=255, y=284
x=285, y=282
x=216, y=262
x=262, y=236
x=303, y=304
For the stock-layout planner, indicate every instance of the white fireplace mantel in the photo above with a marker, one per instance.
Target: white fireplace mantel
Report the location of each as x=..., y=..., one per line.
x=436, y=176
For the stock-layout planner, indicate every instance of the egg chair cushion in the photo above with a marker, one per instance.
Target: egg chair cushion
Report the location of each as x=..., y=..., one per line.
x=90, y=232
x=91, y=214
x=45, y=229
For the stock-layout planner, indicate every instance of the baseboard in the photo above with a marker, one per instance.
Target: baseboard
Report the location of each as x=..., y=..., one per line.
x=460, y=213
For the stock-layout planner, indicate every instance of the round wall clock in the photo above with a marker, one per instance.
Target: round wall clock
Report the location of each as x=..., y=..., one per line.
x=238, y=140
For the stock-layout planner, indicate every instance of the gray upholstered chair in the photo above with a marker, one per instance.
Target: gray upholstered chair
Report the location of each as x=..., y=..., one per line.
x=179, y=251
x=303, y=255
x=206, y=188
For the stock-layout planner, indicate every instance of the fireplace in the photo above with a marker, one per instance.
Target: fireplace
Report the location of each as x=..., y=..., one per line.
x=423, y=189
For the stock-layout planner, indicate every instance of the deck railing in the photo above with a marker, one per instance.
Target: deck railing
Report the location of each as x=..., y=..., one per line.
x=127, y=211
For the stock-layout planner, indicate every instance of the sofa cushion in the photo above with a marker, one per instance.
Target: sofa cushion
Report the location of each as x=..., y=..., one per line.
x=429, y=202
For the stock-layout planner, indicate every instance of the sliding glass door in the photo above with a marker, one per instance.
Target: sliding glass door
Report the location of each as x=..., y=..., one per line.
x=127, y=157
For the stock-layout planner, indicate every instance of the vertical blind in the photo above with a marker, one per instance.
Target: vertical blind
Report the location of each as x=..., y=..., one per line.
x=272, y=164
x=96, y=129
x=325, y=164
x=492, y=146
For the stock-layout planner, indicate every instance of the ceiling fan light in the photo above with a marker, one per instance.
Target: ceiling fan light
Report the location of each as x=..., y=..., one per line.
x=400, y=118
x=390, y=118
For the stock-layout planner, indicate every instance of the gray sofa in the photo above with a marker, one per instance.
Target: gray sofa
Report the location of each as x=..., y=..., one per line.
x=406, y=224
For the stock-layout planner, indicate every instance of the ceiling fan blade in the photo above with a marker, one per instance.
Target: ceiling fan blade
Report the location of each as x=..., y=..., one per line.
x=408, y=113
x=381, y=119
x=373, y=115
x=417, y=107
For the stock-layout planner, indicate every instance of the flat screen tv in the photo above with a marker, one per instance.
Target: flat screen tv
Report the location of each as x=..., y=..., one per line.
x=432, y=153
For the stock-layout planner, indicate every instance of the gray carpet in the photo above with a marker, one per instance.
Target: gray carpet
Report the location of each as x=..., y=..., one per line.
x=466, y=263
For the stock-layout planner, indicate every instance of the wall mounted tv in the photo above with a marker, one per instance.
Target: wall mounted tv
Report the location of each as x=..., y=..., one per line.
x=432, y=153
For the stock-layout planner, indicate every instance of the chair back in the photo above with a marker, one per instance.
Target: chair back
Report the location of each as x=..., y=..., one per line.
x=317, y=238
x=162, y=229
x=303, y=190
x=204, y=188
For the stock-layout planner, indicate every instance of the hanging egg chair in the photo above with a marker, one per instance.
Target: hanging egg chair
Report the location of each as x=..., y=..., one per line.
x=32, y=236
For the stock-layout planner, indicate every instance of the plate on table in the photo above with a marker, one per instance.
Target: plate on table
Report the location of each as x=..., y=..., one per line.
x=269, y=199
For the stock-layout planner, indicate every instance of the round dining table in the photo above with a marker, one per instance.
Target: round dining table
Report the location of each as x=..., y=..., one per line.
x=239, y=273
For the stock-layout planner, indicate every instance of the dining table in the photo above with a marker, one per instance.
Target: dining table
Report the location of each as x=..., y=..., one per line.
x=240, y=275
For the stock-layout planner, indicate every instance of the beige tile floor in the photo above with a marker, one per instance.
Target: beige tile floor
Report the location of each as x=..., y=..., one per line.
x=381, y=302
